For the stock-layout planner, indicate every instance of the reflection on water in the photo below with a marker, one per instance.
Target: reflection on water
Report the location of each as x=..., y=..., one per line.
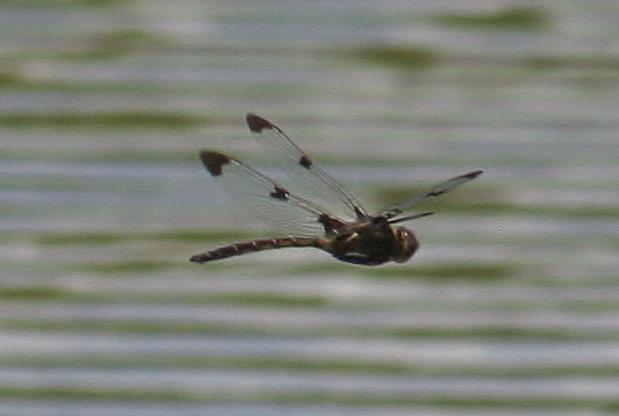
x=508, y=308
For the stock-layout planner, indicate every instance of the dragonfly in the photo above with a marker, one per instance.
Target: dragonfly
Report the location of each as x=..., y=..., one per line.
x=356, y=237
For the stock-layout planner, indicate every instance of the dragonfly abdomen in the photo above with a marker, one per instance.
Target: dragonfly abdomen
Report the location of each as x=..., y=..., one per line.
x=253, y=246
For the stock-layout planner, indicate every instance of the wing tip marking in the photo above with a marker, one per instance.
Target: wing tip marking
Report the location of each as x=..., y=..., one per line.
x=213, y=161
x=257, y=123
x=473, y=174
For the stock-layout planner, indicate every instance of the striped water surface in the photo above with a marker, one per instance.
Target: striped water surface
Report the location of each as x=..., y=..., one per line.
x=508, y=308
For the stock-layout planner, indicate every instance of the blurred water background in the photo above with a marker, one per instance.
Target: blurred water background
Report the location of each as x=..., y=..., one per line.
x=510, y=306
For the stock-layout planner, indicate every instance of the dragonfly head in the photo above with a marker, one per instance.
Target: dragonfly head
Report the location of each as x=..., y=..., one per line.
x=405, y=244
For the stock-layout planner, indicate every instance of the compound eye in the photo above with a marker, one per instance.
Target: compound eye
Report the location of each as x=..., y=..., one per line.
x=406, y=245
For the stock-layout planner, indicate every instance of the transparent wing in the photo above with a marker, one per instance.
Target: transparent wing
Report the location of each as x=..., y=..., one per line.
x=264, y=198
x=393, y=210
x=301, y=169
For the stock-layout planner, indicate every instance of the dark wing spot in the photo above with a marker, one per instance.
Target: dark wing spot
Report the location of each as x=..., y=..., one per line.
x=279, y=193
x=256, y=123
x=331, y=224
x=324, y=219
x=305, y=162
x=213, y=161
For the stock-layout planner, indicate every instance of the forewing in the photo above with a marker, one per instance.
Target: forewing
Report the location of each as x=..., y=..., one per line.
x=300, y=168
x=263, y=197
x=393, y=210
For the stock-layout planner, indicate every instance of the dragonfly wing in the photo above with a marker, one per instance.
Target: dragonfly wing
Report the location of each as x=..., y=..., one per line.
x=264, y=198
x=300, y=168
x=393, y=210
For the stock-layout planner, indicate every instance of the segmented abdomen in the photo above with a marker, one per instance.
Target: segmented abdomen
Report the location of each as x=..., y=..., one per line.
x=252, y=246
